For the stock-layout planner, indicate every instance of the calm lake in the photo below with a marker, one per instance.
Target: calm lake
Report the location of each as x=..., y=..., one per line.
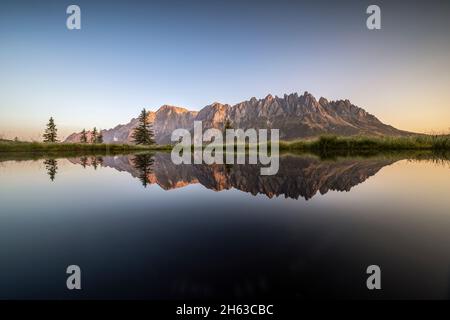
x=141, y=227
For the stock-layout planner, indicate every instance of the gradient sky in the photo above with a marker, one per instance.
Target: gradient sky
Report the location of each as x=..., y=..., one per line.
x=134, y=54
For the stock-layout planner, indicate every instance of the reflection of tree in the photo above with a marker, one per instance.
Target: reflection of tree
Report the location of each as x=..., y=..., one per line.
x=94, y=162
x=83, y=161
x=51, y=165
x=144, y=164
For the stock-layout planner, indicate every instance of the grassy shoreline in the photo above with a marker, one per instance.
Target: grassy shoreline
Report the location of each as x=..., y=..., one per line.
x=13, y=146
x=364, y=143
x=321, y=144
x=326, y=148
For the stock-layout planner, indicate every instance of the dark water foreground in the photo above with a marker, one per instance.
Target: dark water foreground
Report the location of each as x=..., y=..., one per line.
x=141, y=227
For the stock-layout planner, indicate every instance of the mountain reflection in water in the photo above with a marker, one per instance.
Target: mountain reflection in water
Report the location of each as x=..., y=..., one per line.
x=195, y=242
x=297, y=177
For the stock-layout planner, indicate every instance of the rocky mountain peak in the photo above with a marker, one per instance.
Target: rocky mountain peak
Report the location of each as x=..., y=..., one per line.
x=169, y=108
x=295, y=116
x=323, y=101
x=269, y=97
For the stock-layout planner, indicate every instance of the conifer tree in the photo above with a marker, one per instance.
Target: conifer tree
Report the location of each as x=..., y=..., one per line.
x=143, y=134
x=83, y=138
x=94, y=135
x=100, y=137
x=50, y=134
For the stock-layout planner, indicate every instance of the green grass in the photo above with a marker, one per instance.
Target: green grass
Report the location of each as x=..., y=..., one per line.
x=322, y=144
x=12, y=146
x=362, y=143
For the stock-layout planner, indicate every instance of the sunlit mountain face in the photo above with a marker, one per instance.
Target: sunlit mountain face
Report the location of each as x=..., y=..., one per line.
x=296, y=116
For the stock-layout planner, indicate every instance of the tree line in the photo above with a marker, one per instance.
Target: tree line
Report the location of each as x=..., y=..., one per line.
x=96, y=137
x=142, y=134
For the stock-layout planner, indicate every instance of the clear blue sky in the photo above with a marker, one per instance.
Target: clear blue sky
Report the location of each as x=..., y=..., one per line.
x=134, y=54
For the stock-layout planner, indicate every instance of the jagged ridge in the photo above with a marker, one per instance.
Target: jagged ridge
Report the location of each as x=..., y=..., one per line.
x=296, y=117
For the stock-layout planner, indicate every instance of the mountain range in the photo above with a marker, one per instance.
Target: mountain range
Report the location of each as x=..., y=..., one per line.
x=296, y=116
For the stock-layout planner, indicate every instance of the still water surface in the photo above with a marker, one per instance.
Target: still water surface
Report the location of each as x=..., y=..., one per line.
x=141, y=227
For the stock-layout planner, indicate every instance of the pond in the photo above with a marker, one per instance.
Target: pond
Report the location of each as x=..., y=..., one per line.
x=141, y=227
